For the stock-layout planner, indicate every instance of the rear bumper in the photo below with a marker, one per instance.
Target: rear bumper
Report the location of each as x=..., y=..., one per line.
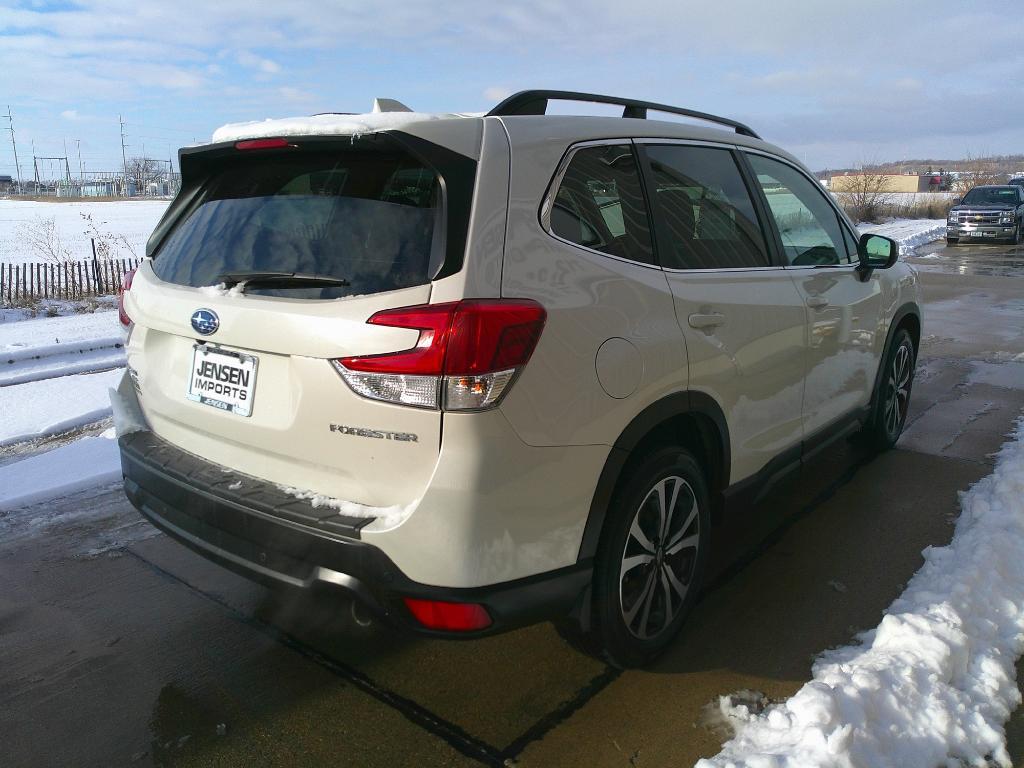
x=255, y=529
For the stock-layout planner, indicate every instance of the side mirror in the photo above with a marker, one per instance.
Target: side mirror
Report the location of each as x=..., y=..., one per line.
x=876, y=252
x=956, y=201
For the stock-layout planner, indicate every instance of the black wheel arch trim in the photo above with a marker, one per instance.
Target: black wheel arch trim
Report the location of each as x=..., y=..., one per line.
x=671, y=406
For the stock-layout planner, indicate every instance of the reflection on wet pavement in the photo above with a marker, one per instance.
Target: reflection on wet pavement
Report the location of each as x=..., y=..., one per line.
x=970, y=259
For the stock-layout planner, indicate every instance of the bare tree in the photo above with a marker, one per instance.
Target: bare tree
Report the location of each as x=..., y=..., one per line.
x=109, y=245
x=864, y=195
x=974, y=173
x=141, y=171
x=44, y=239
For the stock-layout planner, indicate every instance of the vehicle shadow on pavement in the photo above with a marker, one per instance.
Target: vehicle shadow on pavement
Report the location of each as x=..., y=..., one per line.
x=823, y=558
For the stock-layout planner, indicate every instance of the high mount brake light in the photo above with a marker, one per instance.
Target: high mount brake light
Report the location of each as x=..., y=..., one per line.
x=465, y=358
x=126, y=284
x=262, y=144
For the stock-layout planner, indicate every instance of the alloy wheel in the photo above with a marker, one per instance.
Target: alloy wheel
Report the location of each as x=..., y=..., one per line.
x=898, y=390
x=659, y=557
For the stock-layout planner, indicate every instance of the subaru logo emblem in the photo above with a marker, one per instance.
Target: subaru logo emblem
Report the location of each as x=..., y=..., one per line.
x=205, y=321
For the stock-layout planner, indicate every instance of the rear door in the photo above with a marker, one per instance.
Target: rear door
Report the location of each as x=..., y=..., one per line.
x=844, y=313
x=741, y=315
x=235, y=365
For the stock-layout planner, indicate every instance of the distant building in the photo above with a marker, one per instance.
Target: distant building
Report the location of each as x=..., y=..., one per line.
x=6, y=184
x=99, y=189
x=895, y=182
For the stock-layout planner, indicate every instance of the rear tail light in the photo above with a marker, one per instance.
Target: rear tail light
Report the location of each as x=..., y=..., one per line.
x=467, y=354
x=451, y=617
x=126, y=284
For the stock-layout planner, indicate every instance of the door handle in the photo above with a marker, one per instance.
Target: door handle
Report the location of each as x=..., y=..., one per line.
x=817, y=302
x=704, y=321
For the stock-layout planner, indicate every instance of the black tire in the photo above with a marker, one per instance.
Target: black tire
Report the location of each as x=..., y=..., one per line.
x=952, y=241
x=638, y=605
x=897, y=379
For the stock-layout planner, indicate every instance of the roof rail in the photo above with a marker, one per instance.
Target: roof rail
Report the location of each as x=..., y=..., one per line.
x=536, y=103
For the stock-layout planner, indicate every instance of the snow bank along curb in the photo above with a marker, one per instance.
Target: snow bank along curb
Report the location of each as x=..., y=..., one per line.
x=50, y=407
x=934, y=683
x=909, y=233
x=76, y=466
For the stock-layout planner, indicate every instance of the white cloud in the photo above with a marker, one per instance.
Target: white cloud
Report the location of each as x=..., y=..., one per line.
x=70, y=114
x=252, y=61
x=799, y=71
x=295, y=94
x=496, y=93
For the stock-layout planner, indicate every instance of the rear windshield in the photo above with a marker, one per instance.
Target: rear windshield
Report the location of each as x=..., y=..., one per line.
x=371, y=218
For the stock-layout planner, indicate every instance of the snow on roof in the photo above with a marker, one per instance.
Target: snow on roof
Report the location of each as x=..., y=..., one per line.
x=325, y=125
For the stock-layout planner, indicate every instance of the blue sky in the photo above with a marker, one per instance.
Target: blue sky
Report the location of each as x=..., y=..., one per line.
x=837, y=82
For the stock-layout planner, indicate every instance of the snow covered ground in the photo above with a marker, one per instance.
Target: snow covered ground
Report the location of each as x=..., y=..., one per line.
x=934, y=683
x=909, y=233
x=55, y=375
x=134, y=219
x=31, y=350
x=85, y=463
x=912, y=198
x=53, y=406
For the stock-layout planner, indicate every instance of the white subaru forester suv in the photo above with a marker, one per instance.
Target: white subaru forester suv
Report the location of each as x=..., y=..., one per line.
x=481, y=371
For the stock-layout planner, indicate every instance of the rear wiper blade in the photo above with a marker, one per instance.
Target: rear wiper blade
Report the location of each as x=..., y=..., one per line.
x=283, y=279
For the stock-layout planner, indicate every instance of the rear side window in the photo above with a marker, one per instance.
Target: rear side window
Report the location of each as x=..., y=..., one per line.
x=372, y=218
x=600, y=204
x=704, y=210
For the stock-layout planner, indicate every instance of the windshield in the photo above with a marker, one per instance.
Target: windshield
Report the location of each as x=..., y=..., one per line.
x=370, y=218
x=992, y=196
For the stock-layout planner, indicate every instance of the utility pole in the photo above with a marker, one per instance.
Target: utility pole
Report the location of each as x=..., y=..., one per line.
x=67, y=166
x=124, y=158
x=14, y=144
x=81, y=168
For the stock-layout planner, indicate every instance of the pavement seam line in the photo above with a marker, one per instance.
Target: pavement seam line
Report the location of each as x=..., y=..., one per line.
x=449, y=732
x=563, y=712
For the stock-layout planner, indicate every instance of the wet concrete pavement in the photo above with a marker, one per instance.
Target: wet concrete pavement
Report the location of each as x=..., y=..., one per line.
x=119, y=647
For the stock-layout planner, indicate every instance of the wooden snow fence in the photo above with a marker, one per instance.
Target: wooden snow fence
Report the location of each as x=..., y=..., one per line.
x=64, y=280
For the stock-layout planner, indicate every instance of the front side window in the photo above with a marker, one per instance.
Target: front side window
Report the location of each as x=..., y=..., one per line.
x=808, y=225
x=851, y=247
x=600, y=204
x=704, y=211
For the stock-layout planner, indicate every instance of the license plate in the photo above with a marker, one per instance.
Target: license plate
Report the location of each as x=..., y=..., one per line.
x=222, y=379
